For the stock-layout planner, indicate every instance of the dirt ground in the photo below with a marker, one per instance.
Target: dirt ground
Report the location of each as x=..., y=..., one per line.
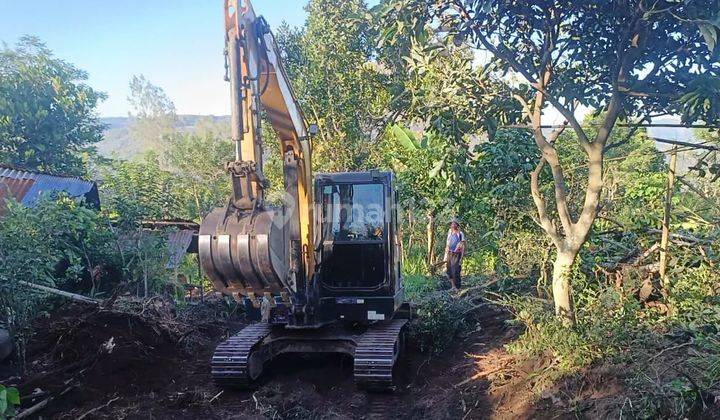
x=148, y=360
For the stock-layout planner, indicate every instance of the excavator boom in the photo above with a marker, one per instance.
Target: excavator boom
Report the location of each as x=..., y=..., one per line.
x=249, y=249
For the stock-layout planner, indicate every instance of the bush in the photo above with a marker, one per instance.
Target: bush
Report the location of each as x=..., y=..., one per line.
x=58, y=243
x=63, y=244
x=440, y=317
x=607, y=324
x=414, y=262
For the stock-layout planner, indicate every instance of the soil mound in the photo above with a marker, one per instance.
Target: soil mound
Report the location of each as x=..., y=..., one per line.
x=81, y=357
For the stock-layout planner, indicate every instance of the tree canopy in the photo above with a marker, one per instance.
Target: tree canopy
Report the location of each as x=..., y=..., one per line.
x=630, y=60
x=47, y=111
x=338, y=85
x=153, y=113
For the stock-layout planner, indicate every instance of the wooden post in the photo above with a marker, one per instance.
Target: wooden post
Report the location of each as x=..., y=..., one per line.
x=665, y=239
x=430, y=231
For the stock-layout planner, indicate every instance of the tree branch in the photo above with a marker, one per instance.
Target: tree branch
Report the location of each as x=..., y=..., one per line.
x=545, y=221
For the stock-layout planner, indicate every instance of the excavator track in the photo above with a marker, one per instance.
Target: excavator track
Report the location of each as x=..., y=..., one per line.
x=232, y=363
x=376, y=354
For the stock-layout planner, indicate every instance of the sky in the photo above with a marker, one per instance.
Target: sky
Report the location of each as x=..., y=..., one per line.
x=176, y=44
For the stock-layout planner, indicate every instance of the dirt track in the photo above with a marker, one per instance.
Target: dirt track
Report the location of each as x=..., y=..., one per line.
x=112, y=364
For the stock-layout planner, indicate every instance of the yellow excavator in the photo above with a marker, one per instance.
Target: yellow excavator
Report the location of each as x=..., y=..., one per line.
x=318, y=274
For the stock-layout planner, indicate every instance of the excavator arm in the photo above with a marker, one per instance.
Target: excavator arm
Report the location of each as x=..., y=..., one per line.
x=260, y=86
x=250, y=249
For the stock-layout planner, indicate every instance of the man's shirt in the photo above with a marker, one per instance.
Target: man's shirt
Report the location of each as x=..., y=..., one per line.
x=454, y=238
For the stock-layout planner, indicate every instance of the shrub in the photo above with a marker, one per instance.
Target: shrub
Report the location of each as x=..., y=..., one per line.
x=607, y=323
x=63, y=244
x=440, y=317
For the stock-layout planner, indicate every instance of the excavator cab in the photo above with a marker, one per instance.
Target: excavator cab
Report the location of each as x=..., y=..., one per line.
x=359, y=270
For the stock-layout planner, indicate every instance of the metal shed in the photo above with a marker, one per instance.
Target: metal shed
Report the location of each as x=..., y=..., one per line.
x=29, y=187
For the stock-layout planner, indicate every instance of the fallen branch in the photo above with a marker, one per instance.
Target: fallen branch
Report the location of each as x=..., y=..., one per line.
x=216, y=397
x=34, y=409
x=688, y=343
x=96, y=409
x=481, y=374
x=73, y=296
x=680, y=236
x=467, y=290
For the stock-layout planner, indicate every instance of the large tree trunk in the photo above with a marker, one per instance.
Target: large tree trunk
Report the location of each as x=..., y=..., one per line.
x=430, y=230
x=562, y=271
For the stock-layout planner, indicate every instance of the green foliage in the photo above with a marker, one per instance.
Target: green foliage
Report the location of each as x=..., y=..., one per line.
x=433, y=174
x=47, y=112
x=9, y=401
x=414, y=262
x=198, y=165
x=338, y=87
x=441, y=87
x=522, y=253
x=607, y=324
x=585, y=59
x=694, y=295
x=440, y=318
x=187, y=184
x=134, y=191
x=63, y=244
x=58, y=244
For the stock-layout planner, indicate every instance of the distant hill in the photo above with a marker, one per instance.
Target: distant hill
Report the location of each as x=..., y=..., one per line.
x=119, y=144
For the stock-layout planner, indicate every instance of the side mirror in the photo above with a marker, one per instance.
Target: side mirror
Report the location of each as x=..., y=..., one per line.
x=313, y=130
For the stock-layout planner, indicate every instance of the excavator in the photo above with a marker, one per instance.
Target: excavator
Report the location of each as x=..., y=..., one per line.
x=319, y=273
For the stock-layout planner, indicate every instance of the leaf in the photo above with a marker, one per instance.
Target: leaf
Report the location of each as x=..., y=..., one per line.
x=709, y=32
x=3, y=401
x=405, y=137
x=487, y=6
x=436, y=168
x=13, y=396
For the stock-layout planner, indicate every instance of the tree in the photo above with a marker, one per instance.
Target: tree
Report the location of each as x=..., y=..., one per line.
x=198, y=164
x=629, y=59
x=47, y=112
x=153, y=115
x=438, y=90
x=136, y=191
x=338, y=86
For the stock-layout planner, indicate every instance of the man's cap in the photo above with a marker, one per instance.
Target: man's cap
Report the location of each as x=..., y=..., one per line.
x=455, y=220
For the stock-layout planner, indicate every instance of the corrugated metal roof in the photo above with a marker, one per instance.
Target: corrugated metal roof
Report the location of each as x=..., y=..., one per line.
x=178, y=244
x=29, y=187
x=13, y=188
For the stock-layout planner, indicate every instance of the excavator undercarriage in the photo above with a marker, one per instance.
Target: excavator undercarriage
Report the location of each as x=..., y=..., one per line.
x=239, y=361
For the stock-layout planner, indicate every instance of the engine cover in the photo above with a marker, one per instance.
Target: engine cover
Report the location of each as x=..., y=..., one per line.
x=245, y=252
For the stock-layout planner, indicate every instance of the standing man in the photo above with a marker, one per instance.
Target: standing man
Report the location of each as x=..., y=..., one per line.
x=454, y=251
